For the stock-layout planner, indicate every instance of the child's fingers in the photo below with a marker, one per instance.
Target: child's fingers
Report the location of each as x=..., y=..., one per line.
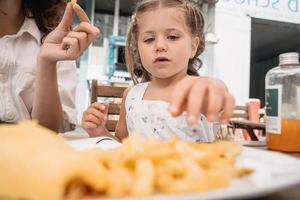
x=97, y=113
x=106, y=104
x=99, y=106
x=67, y=19
x=92, y=31
x=92, y=118
x=88, y=125
x=183, y=107
x=80, y=13
x=103, y=121
x=81, y=37
x=179, y=95
x=216, y=97
x=229, y=104
x=105, y=112
x=195, y=102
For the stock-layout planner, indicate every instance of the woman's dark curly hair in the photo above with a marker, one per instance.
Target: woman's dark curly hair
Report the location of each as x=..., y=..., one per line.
x=46, y=13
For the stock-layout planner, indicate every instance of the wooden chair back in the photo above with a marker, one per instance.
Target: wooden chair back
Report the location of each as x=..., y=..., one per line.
x=113, y=92
x=247, y=118
x=241, y=112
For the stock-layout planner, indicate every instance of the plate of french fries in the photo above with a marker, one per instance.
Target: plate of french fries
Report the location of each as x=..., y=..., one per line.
x=37, y=164
x=175, y=169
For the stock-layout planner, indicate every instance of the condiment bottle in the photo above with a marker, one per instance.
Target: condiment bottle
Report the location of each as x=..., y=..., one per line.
x=283, y=104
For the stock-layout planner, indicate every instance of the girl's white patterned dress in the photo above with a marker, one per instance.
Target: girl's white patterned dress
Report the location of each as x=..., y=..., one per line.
x=151, y=119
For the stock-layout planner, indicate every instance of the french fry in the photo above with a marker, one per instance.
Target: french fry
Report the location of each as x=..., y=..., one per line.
x=73, y=2
x=119, y=183
x=144, y=174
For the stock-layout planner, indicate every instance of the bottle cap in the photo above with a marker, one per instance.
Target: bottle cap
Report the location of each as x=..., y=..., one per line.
x=289, y=58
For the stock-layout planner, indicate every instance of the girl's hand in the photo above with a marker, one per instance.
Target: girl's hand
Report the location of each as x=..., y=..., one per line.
x=94, y=119
x=202, y=95
x=65, y=44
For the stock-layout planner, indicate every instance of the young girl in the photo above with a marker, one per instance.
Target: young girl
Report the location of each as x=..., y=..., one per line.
x=35, y=82
x=164, y=42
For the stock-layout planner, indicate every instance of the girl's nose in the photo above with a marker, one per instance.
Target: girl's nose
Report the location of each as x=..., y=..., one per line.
x=160, y=45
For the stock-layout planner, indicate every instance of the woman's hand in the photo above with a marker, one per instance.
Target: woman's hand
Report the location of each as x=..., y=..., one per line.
x=65, y=44
x=202, y=95
x=94, y=119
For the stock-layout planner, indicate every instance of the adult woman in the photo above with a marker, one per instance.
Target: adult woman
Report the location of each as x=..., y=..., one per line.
x=37, y=67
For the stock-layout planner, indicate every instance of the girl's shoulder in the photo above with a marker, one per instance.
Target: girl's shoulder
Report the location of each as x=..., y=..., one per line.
x=137, y=91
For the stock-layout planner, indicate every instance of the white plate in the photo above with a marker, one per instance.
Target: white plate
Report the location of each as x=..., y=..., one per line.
x=273, y=172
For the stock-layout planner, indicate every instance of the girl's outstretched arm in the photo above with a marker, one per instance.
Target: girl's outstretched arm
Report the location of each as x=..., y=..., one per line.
x=61, y=44
x=202, y=95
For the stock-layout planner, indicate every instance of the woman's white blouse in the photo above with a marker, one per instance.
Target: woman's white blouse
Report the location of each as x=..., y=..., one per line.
x=151, y=119
x=18, y=55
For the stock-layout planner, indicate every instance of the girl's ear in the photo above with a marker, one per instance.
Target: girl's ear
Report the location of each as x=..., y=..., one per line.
x=195, y=44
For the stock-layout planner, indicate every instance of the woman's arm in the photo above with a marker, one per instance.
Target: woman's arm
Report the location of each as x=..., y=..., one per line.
x=60, y=44
x=47, y=108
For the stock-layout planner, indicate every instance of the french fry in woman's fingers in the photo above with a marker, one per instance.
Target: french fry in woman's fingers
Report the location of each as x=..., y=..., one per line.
x=74, y=2
x=80, y=13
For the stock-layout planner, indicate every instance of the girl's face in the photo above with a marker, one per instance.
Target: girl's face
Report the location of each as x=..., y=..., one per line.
x=164, y=42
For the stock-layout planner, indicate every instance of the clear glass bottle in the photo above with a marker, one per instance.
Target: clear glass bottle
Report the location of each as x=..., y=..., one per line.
x=283, y=104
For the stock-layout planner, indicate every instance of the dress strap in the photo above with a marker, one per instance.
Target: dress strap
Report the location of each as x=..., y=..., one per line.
x=137, y=91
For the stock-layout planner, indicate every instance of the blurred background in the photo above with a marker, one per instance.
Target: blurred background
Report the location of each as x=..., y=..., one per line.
x=243, y=41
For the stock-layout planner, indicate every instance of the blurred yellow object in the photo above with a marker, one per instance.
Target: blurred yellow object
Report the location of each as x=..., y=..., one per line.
x=37, y=164
x=73, y=2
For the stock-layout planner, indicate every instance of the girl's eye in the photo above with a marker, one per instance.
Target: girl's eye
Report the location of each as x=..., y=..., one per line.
x=172, y=37
x=148, y=40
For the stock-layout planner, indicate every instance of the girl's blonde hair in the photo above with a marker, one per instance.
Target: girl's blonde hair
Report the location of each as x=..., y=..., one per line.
x=194, y=20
